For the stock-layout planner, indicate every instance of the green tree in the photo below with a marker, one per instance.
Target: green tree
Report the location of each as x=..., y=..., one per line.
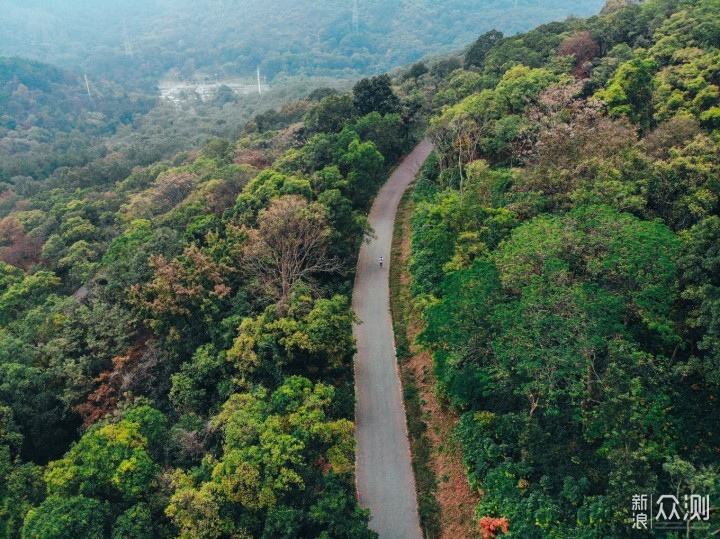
x=281, y=450
x=629, y=92
x=475, y=55
x=60, y=517
x=375, y=94
x=331, y=114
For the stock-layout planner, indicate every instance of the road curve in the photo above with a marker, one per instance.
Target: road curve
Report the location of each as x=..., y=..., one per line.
x=385, y=480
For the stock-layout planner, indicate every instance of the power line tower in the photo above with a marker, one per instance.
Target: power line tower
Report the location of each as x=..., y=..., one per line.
x=259, y=82
x=355, y=16
x=128, y=46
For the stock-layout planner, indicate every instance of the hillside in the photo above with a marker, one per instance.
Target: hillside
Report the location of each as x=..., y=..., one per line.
x=187, y=39
x=51, y=118
x=565, y=247
x=176, y=349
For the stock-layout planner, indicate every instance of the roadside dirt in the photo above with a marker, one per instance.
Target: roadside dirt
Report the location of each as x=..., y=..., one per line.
x=453, y=493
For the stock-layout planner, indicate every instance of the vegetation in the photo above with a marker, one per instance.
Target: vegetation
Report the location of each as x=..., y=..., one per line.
x=145, y=41
x=564, y=249
x=176, y=339
x=175, y=323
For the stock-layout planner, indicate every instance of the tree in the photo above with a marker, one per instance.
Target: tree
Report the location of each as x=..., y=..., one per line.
x=417, y=70
x=583, y=47
x=105, y=480
x=283, y=471
x=29, y=292
x=700, y=281
x=110, y=462
x=17, y=248
x=491, y=527
x=184, y=288
x=363, y=165
x=630, y=92
x=375, y=95
x=21, y=485
x=313, y=337
x=289, y=245
x=171, y=189
x=331, y=114
x=475, y=55
x=60, y=517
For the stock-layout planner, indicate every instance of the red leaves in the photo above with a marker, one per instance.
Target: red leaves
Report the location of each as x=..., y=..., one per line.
x=490, y=527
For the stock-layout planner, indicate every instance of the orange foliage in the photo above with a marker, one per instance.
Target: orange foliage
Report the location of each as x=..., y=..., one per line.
x=112, y=384
x=491, y=527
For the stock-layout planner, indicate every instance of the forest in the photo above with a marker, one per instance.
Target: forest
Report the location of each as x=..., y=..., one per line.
x=166, y=366
x=184, y=38
x=565, y=253
x=169, y=369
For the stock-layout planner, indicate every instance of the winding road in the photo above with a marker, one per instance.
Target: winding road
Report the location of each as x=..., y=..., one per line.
x=385, y=480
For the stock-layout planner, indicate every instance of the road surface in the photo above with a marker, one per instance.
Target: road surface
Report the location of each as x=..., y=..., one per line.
x=385, y=480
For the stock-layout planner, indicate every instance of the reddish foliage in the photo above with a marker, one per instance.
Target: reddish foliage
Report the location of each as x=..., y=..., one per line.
x=253, y=157
x=490, y=527
x=171, y=189
x=583, y=47
x=112, y=384
x=16, y=247
x=179, y=285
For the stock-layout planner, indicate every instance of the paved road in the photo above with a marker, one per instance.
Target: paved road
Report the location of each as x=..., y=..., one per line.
x=385, y=480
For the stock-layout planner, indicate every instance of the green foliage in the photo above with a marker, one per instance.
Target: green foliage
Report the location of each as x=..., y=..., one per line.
x=700, y=265
x=104, y=481
x=206, y=41
x=629, y=92
x=570, y=304
x=60, y=517
x=330, y=114
x=567, y=269
x=478, y=51
x=375, y=95
x=110, y=462
x=280, y=452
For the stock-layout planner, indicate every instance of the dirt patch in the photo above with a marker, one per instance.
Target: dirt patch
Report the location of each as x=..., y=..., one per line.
x=447, y=503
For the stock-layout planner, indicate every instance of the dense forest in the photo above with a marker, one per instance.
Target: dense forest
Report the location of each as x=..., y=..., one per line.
x=175, y=324
x=187, y=38
x=565, y=247
x=176, y=342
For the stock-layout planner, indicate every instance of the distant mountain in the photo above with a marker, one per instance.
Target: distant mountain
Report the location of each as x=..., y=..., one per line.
x=145, y=40
x=49, y=116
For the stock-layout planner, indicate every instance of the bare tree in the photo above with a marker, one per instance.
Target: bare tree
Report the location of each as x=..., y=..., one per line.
x=289, y=245
x=171, y=189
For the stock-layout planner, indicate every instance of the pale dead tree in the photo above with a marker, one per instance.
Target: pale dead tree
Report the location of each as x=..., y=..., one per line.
x=558, y=107
x=171, y=189
x=457, y=133
x=289, y=245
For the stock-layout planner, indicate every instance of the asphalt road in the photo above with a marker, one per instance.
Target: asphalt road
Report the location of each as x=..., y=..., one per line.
x=385, y=480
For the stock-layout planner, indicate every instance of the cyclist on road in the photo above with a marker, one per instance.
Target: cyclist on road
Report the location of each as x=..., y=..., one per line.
x=381, y=261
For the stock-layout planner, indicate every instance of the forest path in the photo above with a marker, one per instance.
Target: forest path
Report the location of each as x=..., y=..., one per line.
x=385, y=480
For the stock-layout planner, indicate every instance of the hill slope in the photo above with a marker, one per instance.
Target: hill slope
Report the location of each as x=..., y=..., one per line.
x=232, y=37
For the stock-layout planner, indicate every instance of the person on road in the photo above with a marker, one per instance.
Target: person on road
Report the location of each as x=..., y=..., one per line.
x=381, y=261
